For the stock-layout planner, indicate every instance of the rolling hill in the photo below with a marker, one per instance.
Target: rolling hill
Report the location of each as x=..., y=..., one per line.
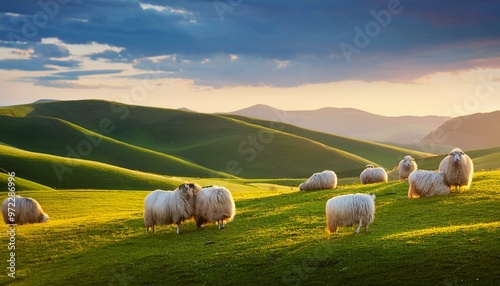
x=471, y=132
x=351, y=122
x=99, y=135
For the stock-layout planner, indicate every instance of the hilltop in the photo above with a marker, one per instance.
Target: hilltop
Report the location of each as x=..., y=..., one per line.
x=476, y=131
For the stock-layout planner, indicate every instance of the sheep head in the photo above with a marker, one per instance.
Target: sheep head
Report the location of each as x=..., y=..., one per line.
x=408, y=160
x=456, y=155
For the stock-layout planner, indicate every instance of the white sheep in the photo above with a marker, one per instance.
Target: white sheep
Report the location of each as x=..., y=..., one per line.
x=349, y=210
x=24, y=210
x=427, y=184
x=406, y=166
x=214, y=204
x=169, y=207
x=457, y=168
x=319, y=181
x=372, y=175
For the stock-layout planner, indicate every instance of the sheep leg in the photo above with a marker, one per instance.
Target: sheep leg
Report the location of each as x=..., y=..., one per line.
x=359, y=226
x=178, y=228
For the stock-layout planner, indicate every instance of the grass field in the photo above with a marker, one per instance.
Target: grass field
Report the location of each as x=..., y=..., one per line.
x=278, y=237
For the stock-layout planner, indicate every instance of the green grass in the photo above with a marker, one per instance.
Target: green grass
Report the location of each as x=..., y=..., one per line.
x=278, y=237
x=66, y=173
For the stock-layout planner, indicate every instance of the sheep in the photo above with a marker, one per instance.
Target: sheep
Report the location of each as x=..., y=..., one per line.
x=406, y=166
x=25, y=210
x=349, y=210
x=457, y=168
x=427, y=184
x=214, y=204
x=319, y=181
x=372, y=175
x=169, y=207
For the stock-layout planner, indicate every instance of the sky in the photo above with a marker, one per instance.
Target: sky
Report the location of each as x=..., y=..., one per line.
x=387, y=57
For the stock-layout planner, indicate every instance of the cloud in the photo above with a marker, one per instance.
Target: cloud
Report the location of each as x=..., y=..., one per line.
x=261, y=42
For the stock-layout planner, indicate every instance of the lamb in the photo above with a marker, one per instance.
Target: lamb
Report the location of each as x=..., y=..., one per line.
x=214, y=204
x=427, y=184
x=457, y=168
x=349, y=210
x=320, y=181
x=372, y=175
x=406, y=166
x=25, y=210
x=169, y=207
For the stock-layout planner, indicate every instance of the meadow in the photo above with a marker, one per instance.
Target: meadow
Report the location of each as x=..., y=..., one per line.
x=278, y=237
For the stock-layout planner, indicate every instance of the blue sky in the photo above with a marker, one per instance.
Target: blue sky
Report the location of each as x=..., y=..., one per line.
x=228, y=54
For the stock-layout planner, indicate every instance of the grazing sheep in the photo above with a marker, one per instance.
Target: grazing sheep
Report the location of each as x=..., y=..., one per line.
x=457, y=168
x=406, y=166
x=372, y=175
x=25, y=210
x=214, y=204
x=427, y=184
x=169, y=207
x=319, y=181
x=349, y=210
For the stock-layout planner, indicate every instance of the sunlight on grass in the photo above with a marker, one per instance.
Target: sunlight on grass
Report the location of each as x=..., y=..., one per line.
x=442, y=230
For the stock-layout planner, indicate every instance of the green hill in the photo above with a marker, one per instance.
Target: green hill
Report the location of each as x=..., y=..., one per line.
x=384, y=155
x=215, y=142
x=67, y=173
x=183, y=143
x=58, y=137
x=21, y=184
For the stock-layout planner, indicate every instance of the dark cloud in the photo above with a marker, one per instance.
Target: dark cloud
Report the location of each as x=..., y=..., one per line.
x=277, y=42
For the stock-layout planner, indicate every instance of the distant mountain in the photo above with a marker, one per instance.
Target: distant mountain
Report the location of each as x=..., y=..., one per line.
x=476, y=131
x=352, y=122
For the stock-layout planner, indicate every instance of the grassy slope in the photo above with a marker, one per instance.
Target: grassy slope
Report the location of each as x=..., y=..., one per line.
x=212, y=141
x=61, y=138
x=278, y=237
x=21, y=184
x=43, y=169
x=382, y=154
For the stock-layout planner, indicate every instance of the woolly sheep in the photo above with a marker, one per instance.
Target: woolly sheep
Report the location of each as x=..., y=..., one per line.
x=457, y=168
x=427, y=184
x=169, y=207
x=319, y=181
x=372, y=175
x=214, y=204
x=349, y=210
x=25, y=210
x=406, y=166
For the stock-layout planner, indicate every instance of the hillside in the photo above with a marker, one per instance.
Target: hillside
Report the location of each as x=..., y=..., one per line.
x=351, y=122
x=182, y=143
x=483, y=159
x=67, y=173
x=384, y=155
x=278, y=237
x=471, y=132
x=215, y=142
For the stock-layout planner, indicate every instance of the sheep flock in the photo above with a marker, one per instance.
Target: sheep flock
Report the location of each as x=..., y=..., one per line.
x=215, y=204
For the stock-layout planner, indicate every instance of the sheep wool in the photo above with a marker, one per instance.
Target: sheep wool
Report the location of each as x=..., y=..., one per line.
x=372, y=175
x=26, y=210
x=349, y=210
x=406, y=166
x=427, y=184
x=214, y=204
x=169, y=207
x=320, y=181
x=457, y=168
